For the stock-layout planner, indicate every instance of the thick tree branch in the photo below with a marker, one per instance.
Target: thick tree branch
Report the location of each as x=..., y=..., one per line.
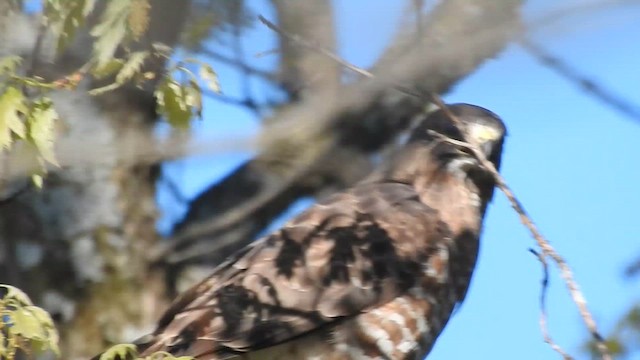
x=303, y=70
x=358, y=121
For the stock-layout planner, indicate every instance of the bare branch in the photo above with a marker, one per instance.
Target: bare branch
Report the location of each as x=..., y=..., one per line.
x=299, y=40
x=544, y=287
x=303, y=71
x=580, y=80
x=240, y=65
x=359, y=119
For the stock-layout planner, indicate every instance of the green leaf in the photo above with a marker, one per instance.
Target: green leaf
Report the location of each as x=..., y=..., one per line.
x=8, y=64
x=139, y=17
x=107, y=69
x=12, y=104
x=54, y=10
x=26, y=324
x=163, y=355
x=42, y=316
x=73, y=19
x=120, y=351
x=210, y=77
x=171, y=100
x=47, y=324
x=111, y=30
x=193, y=97
x=132, y=66
x=42, y=124
x=12, y=292
x=65, y=17
x=38, y=180
x=3, y=348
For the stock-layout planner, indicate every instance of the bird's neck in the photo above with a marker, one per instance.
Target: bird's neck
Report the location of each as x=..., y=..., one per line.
x=439, y=186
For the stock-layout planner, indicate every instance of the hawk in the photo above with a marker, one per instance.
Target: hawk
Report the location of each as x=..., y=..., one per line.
x=373, y=272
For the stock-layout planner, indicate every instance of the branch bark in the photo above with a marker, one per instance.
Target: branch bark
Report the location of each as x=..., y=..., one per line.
x=304, y=70
x=358, y=121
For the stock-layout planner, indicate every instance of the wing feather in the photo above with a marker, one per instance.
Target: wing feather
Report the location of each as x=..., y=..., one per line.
x=349, y=253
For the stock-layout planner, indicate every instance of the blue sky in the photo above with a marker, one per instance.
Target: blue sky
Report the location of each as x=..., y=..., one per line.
x=571, y=160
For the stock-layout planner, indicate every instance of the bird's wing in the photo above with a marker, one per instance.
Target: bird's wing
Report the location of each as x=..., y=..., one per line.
x=343, y=256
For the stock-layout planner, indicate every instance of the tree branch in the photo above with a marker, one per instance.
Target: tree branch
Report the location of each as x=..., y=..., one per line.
x=350, y=125
x=580, y=80
x=303, y=71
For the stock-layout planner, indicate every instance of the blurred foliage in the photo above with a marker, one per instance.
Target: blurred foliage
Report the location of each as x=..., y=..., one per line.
x=624, y=339
x=128, y=351
x=28, y=330
x=27, y=113
x=211, y=19
x=24, y=328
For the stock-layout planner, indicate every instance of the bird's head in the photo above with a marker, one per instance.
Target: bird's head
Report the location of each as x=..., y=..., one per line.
x=479, y=126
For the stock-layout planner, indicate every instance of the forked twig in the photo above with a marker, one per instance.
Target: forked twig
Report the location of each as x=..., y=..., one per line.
x=544, y=286
x=543, y=243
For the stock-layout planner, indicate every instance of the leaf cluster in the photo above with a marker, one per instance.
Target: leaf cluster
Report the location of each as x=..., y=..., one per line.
x=24, y=328
x=27, y=113
x=30, y=119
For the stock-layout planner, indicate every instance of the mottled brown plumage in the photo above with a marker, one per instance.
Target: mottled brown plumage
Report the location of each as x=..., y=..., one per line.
x=373, y=272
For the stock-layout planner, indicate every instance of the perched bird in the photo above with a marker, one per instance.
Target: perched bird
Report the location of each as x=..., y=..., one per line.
x=373, y=272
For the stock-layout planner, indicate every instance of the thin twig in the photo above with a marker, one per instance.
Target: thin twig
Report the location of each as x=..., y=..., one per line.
x=244, y=67
x=543, y=243
x=248, y=103
x=544, y=287
x=589, y=86
x=310, y=45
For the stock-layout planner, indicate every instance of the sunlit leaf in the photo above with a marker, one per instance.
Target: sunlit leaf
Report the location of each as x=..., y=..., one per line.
x=162, y=355
x=12, y=104
x=72, y=21
x=65, y=17
x=37, y=180
x=9, y=64
x=171, y=100
x=132, y=66
x=194, y=97
x=26, y=324
x=121, y=351
x=54, y=10
x=42, y=124
x=210, y=77
x=139, y=17
x=109, y=68
x=161, y=49
x=47, y=324
x=111, y=30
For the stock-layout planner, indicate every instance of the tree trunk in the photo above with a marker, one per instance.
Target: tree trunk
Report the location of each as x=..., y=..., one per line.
x=79, y=246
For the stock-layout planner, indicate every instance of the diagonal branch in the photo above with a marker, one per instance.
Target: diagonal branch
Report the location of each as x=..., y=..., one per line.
x=580, y=80
x=338, y=132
